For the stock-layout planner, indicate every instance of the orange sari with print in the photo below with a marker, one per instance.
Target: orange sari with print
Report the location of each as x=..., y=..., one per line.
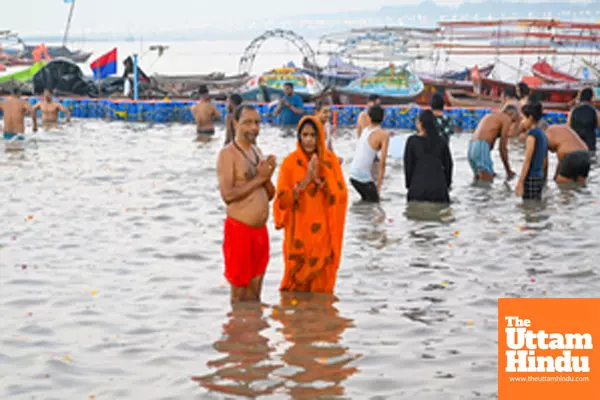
x=313, y=223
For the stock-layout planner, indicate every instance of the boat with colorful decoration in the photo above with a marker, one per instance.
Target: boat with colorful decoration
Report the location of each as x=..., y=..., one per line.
x=269, y=86
x=394, y=85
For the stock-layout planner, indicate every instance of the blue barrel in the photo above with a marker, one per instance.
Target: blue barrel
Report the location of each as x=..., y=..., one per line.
x=163, y=112
x=120, y=113
x=263, y=111
x=84, y=107
x=68, y=104
x=108, y=109
x=133, y=111
x=76, y=109
x=33, y=101
x=94, y=109
x=389, y=117
x=145, y=111
x=222, y=108
x=345, y=116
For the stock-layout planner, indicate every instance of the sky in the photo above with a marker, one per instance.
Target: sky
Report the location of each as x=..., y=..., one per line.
x=30, y=17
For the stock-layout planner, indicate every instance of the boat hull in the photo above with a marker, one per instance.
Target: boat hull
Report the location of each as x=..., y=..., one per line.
x=269, y=86
x=341, y=97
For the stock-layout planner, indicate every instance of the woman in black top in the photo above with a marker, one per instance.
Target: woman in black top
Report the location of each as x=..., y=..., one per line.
x=427, y=162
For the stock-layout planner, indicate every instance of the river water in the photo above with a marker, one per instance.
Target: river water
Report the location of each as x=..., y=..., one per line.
x=112, y=287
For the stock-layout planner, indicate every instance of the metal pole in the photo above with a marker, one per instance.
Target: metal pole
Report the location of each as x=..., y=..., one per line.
x=64, y=45
x=135, y=77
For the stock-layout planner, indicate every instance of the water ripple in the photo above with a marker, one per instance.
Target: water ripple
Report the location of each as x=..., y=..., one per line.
x=114, y=287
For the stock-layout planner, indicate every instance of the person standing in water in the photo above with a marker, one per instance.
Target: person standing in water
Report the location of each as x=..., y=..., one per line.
x=444, y=122
x=372, y=140
x=50, y=109
x=323, y=113
x=585, y=119
x=246, y=188
x=205, y=112
x=427, y=162
x=14, y=110
x=572, y=153
x=310, y=207
x=363, y=118
x=490, y=128
x=509, y=98
x=291, y=106
x=235, y=100
x=535, y=166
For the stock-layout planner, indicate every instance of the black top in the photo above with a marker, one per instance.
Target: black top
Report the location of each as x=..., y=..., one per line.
x=428, y=172
x=584, y=121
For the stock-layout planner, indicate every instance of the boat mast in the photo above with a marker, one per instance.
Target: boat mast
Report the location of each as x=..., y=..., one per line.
x=64, y=45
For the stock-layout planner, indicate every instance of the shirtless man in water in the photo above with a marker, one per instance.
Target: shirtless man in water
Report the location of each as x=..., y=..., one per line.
x=14, y=110
x=204, y=112
x=246, y=188
x=50, y=109
x=491, y=127
x=573, y=155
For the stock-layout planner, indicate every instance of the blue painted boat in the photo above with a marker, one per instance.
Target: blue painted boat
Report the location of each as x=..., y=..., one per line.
x=395, y=85
x=269, y=86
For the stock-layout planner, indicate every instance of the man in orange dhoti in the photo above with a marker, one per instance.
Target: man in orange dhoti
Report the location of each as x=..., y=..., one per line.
x=310, y=205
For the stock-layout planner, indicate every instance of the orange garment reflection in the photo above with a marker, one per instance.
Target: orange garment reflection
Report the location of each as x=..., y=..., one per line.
x=314, y=328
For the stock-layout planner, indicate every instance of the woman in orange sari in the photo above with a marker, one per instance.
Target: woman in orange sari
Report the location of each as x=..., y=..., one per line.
x=310, y=205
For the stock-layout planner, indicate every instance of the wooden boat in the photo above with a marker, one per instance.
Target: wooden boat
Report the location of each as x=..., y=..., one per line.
x=186, y=85
x=394, y=85
x=336, y=73
x=465, y=75
x=269, y=86
x=545, y=71
x=441, y=84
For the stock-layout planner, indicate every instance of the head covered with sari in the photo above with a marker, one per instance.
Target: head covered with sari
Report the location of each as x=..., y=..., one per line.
x=314, y=220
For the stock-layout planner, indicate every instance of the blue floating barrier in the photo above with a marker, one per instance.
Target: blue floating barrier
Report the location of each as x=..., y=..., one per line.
x=145, y=111
x=177, y=110
x=84, y=108
x=133, y=113
x=120, y=113
x=77, y=109
x=163, y=111
x=95, y=109
x=68, y=104
x=108, y=109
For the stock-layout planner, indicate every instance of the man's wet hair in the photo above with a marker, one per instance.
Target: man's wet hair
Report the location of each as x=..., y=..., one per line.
x=374, y=97
x=376, y=114
x=510, y=109
x=586, y=94
x=289, y=84
x=533, y=110
x=437, y=102
x=236, y=99
x=203, y=90
x=240, y=109
x=15, y=91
